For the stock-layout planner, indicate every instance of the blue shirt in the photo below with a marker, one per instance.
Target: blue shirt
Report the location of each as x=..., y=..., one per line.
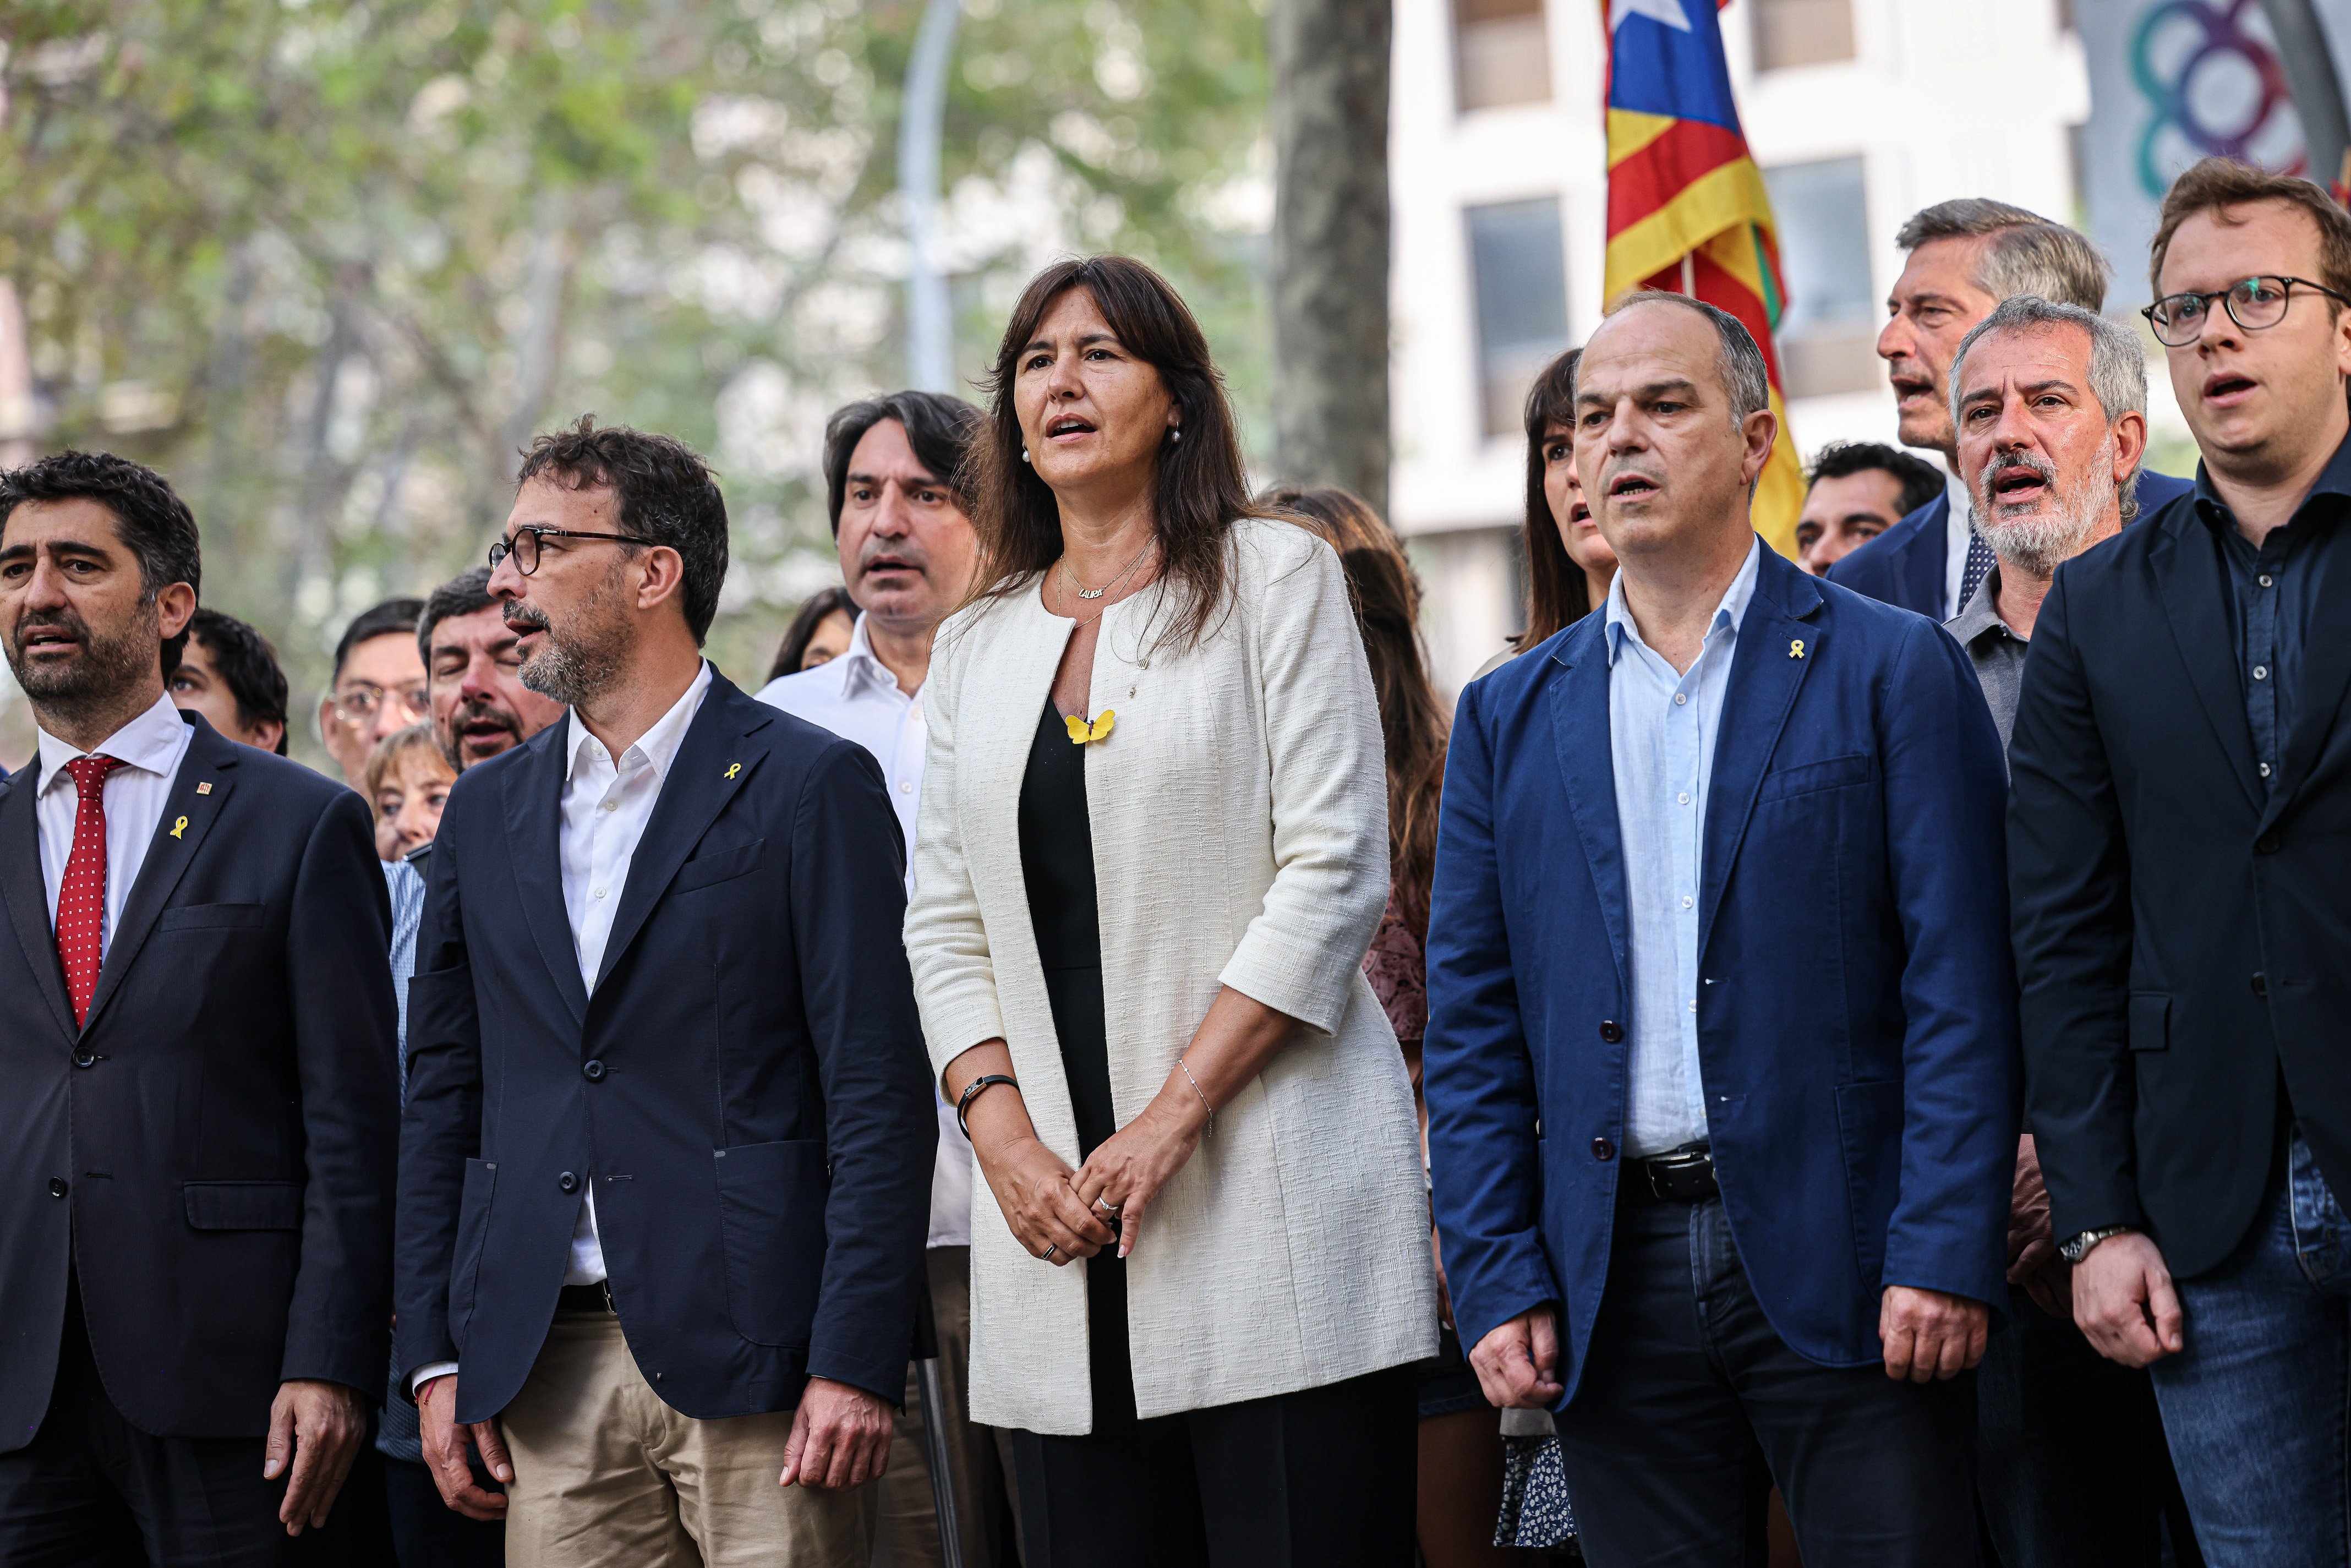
x=2271, y=592
x=397, y=1435
x=1661, y=736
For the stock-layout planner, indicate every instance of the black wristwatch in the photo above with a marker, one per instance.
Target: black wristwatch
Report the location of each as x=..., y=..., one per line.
x=2074, y=1251
x=971, y=1090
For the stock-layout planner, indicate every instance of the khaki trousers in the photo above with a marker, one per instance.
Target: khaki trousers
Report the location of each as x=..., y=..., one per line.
x=607, y=1476
x=979, y=1458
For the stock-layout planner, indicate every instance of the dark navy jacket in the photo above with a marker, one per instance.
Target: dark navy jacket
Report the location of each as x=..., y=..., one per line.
x=2182, y=921
x=212, y=1152
x=1906, y=565
x=746, y=1085
x=1857, y=1015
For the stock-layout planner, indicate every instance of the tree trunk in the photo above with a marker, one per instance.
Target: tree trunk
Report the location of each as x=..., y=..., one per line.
x=1331, y=243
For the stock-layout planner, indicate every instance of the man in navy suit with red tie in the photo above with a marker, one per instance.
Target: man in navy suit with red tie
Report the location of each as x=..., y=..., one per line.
x=197, y=1108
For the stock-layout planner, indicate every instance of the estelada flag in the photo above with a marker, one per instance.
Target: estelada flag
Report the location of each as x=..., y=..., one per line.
x=1686, y=208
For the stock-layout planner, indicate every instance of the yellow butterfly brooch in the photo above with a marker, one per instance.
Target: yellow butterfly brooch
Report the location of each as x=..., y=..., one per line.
x=1083, y=733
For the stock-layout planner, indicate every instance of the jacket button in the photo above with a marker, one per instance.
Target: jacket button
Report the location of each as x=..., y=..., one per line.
x=1612, y=1031
x=593, y=1070
x=56, y=1186
x=2267, y=844
x=568, y=1182
x=2261, y=985
x=1601, y=1149
x=83, y=1058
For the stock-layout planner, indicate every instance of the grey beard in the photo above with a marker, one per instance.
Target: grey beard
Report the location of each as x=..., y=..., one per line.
x=2040, y=544
x=583, y=658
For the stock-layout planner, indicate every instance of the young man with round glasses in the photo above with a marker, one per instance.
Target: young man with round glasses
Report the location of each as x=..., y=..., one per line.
x=2180, y=835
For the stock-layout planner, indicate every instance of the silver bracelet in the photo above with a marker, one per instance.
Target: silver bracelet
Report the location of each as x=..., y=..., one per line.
x=1204, y=1098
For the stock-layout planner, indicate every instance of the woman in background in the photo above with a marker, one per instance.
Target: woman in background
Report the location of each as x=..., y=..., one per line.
x=819, y=634
x=408, y=780
x=1460, y=1478
x=1569, y=565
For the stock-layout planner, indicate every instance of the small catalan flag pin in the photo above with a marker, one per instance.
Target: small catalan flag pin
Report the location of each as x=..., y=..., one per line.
x=205, y=788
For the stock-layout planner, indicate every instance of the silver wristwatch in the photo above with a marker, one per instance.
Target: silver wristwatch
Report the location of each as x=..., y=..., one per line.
x=2074, y=1251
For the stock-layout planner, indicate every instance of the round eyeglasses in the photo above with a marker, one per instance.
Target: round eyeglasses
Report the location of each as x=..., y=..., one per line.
x=2252, y=303
x=524, y=546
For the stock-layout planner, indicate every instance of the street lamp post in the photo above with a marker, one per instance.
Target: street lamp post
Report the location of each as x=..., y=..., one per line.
x=930, y=331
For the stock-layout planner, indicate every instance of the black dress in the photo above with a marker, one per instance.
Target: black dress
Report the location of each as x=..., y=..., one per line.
x=1323, y=1476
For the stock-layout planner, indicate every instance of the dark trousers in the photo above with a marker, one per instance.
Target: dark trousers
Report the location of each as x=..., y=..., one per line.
x=1323, y=1476
x=1691, y=1408
x=428, y=1532
x=90, y=1490
x=2072, y=1468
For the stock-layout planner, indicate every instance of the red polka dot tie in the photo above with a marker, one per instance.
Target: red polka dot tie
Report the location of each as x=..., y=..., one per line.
x=81, y=903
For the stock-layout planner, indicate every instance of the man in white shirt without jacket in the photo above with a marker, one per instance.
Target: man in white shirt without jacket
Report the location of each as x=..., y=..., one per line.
x=907, y=551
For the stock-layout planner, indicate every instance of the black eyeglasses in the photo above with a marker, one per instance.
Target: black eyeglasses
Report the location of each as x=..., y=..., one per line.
x=524, y=546
x=2252, y=303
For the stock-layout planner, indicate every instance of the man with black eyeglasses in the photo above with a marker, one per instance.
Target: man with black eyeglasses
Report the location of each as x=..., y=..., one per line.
x=2180, y=839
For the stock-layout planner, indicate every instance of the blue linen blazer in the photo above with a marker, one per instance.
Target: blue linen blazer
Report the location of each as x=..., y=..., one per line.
x=1858, y=1031
x=1905, y=564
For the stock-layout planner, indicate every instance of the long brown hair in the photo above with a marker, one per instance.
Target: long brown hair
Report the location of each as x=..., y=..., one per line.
x=1199, y=490
x=1557, y=594
x=1387, y=593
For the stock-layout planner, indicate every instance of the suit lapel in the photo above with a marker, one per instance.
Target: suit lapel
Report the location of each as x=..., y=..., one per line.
x=1765, y=676
x=2326, y=670
x=534, y=802
x=27, y=895
x=2189, y=581
x=716, y=759
x=1587, y=767
x=180, y=834
x=1931, y=559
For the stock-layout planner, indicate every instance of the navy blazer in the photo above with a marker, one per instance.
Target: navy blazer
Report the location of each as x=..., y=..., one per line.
x=2181, y=923
x=746, y=1085
x=1857, y=1014
x=212, y=1152
x=1905, y=564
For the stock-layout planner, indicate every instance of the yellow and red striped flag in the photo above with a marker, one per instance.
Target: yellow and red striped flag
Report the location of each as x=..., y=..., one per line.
x=1687, y=208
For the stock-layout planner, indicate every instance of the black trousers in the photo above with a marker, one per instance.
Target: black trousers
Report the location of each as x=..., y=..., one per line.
x=1691, y=1408
x=91, y=1490
x=428, y=1532
x=1323, y=1476
x=2073, y=1472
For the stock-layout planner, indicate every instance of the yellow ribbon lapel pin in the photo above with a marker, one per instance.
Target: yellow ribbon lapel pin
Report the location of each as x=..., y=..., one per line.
x=1796, y=649
x=179, y=827
x=1084, y=734
x=733, y=768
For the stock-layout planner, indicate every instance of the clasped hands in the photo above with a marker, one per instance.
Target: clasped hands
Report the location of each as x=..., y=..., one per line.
x=1059, y=1214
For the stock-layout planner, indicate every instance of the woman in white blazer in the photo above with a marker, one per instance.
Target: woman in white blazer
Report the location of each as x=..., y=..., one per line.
x=1153, y=850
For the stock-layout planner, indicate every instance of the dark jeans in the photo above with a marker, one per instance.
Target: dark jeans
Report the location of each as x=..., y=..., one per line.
x=2255, y=1403
x=2072, y=1468
x=90, y=1490
x=1692, y=1407
x=428, y=1532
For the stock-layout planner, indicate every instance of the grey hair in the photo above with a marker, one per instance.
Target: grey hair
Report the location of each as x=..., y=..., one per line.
x=2028, y=254
x=1745, y=381
x=2117, y=364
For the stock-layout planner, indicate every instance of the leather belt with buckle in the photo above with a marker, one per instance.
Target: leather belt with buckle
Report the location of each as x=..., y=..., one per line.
x=1679, y=1175
x=595, y=1298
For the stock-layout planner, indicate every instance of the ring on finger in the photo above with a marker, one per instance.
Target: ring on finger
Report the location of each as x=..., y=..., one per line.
x=1050, y=1248
x=1107, y=1207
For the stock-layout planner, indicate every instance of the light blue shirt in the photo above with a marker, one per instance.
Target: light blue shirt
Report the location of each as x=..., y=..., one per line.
x=1661, y=737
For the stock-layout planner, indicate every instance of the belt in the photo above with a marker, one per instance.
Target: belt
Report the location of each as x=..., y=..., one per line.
x=595, y=1298
x=1684, y=1176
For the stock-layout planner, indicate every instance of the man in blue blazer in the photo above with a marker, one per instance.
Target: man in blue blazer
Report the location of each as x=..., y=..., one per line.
x=1722, y=1068
x=667, y=1164
x=1964, y=258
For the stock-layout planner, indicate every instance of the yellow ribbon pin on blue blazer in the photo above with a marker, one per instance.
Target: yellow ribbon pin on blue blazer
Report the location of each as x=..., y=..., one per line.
x=179, y=827
x=1796, y=649
x=733, y=768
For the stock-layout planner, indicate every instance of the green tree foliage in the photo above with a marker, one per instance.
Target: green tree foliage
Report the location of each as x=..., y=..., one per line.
x=328, y=264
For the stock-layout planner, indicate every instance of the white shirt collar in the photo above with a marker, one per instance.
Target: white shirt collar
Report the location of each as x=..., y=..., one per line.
x=1619, y=624
x=658, y=746
x=860, y=665
x=153, y=741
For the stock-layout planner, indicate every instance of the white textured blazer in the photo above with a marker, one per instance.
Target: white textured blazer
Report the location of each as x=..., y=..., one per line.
x=1240, y=817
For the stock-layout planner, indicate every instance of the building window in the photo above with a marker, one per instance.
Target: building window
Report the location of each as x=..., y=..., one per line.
x=1828, y=336
x=1500, y=53
x=1518, y=268
x=1801, y=31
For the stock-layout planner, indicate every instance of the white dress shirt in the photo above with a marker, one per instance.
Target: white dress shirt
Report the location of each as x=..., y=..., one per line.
x=606, y=805
x=1662, y=727
x=150, y=747
x=857, y=698
x=1956, y=536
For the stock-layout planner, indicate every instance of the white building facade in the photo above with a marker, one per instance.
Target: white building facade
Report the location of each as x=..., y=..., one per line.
x=1859, y=112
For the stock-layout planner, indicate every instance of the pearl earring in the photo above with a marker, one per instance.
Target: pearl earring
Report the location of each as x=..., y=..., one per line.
x=1024, y=454
x=1175, y=433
